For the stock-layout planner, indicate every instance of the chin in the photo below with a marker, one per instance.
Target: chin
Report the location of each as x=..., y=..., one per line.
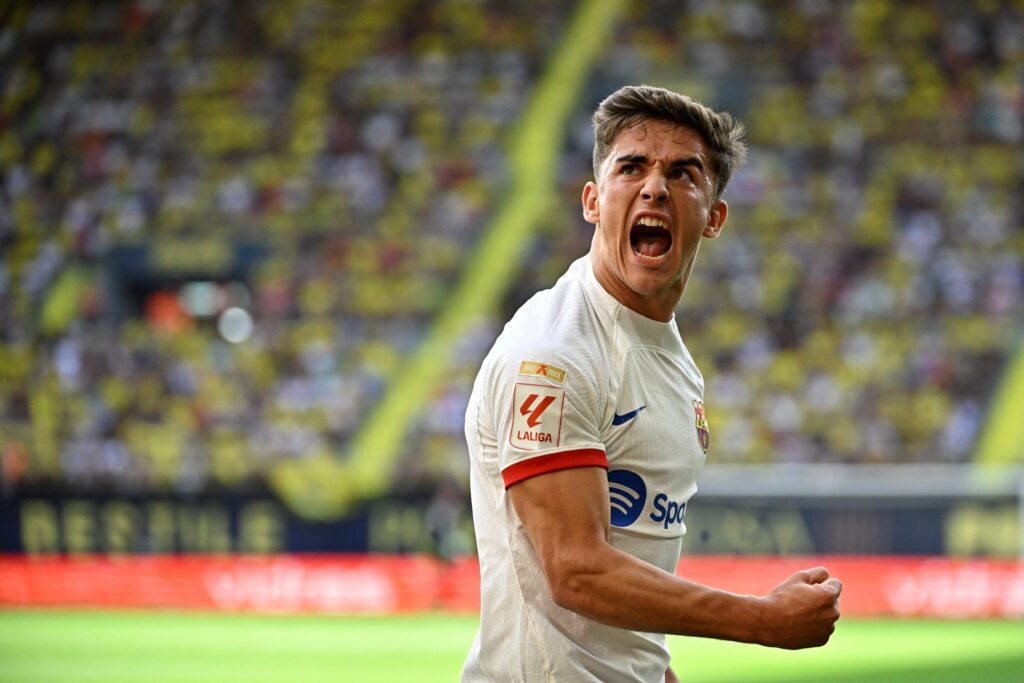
x=648, y=286
x=653, y=279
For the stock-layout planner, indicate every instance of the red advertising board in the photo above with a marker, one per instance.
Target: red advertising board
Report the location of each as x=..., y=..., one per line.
x=374, y=584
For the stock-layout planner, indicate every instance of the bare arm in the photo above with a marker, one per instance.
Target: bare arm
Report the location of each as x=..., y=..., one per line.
x=566, y=516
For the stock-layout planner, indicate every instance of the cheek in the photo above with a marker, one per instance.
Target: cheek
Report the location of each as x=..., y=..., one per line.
x=692, y=206
x=611, y=213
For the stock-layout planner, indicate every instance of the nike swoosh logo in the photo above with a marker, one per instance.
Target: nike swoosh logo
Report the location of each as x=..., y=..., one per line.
x=626, y=417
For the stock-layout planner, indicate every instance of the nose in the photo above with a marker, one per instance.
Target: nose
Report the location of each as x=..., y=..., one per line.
x=655, y=186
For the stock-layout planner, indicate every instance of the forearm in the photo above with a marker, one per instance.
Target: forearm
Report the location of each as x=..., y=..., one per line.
x=565, y=515
x=615, y=588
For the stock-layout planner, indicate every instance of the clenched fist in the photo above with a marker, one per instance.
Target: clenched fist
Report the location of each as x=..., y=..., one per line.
x=801, y=611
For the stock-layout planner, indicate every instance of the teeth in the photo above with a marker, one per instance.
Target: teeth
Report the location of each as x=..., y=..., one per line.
x=651, y=221
x=650, y=258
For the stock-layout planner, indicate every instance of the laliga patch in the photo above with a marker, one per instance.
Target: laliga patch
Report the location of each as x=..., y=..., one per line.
x=703, y=435
x=532, y=367
x=536, y=416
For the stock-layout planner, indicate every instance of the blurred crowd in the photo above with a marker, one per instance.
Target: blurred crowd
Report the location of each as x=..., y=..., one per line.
x=869, y=286
x=868, y=289
x=859, y=306
x=145, y=144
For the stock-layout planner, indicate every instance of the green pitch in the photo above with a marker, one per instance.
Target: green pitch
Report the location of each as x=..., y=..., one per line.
x=157, y=647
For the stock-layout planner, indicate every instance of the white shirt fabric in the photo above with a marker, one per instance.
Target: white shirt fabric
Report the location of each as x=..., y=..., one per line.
x=577, y=379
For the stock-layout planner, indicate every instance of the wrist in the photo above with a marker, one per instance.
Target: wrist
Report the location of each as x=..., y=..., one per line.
x=759, y=632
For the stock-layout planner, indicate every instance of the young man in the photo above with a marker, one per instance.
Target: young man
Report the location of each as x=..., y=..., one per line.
x=587, y=431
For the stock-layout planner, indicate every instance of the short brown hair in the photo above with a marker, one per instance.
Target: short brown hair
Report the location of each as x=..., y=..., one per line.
x=632, y=104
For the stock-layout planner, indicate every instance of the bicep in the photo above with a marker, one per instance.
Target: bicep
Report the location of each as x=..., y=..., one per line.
x=565, y=514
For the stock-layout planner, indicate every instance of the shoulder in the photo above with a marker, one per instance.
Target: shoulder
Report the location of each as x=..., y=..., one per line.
x=689, y=366
x=557, y=337
x=558, y=326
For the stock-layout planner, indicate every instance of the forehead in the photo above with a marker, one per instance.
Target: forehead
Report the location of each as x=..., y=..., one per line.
x=659, y=141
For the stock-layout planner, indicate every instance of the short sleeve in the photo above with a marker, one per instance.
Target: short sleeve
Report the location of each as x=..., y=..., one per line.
x=546, y=416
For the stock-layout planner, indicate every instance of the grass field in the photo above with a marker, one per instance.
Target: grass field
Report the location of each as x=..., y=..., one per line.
x=158, y=647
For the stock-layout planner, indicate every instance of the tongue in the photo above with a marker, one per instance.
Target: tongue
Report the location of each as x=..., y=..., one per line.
x=652, y=245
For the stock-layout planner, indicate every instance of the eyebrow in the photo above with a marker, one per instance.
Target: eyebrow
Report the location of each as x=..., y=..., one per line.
x=675, y=163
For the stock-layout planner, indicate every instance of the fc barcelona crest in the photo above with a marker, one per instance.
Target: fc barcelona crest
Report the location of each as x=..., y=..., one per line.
x=703, y=435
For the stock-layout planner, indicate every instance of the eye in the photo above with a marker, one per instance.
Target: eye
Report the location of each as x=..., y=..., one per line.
x=628, y=169
x=678, y=174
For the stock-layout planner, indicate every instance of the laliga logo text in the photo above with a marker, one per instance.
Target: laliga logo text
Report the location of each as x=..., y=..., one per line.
x=536, y=416
x=532, y=415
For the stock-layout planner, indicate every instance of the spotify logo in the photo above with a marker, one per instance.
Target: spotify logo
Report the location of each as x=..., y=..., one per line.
x=628, y=493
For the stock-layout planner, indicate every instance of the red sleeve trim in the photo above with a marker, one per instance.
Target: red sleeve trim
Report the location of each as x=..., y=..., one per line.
x=565, y=460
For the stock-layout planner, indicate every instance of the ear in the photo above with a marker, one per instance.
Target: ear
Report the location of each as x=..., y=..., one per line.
x=591, y=211
x=716, y=219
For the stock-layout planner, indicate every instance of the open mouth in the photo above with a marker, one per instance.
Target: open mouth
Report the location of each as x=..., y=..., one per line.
x=650, y=238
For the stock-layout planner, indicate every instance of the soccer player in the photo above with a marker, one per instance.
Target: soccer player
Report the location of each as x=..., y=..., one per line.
x=587, y=430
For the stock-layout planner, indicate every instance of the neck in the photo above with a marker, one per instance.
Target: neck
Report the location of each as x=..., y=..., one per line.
x=657, y=306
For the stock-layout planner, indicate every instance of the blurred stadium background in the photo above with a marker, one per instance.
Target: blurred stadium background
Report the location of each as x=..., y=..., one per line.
x=253, y=253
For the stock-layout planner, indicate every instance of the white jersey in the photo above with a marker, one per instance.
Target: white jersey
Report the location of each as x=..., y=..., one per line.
x=577, y=379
